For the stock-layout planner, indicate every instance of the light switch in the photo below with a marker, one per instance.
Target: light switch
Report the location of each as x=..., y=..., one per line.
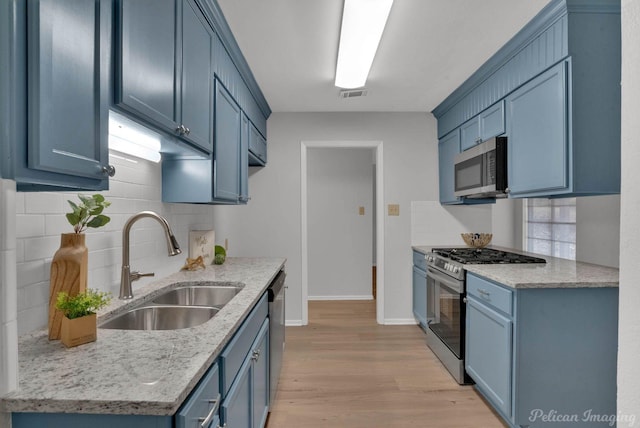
x=394, y=209
x=361, y=210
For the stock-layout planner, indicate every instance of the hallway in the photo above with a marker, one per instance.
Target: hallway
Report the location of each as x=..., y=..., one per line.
x=343, y=370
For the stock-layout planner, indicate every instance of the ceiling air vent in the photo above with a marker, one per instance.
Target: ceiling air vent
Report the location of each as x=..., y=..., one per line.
x=353, y=93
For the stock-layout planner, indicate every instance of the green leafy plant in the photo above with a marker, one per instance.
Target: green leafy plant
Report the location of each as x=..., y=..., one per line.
x=88, y=213
x=83, y=304
x=220, y=255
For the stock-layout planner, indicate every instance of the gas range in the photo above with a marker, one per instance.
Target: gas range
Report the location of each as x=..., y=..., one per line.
x=450, y=260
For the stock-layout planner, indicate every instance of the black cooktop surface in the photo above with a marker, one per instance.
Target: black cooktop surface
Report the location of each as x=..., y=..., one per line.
x=485, y=256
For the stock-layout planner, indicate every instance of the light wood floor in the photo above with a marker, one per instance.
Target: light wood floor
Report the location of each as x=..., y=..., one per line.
x=345, y=371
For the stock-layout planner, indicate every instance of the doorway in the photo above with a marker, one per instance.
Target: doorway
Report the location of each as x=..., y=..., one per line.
x=374, y=153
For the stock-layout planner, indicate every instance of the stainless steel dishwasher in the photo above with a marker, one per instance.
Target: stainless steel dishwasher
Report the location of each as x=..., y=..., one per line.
x=276, y=332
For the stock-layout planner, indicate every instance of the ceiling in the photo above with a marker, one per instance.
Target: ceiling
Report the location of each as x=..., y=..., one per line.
x=428, y=49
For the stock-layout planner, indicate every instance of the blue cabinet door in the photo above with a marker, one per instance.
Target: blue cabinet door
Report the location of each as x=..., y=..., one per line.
x=261, y=377
x=257, y=147
x=538, y=135
x=492, y=121
x=244, y=159
x=197, y=71
x=488, y=353
x=420, y=296
x=146, y=72
x=470, y=133
x=67, y=90
x=226, y=152
x=448, y=148
x=236, y=410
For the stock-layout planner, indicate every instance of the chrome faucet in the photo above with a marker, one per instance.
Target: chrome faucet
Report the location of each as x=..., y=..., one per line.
x=127, y=276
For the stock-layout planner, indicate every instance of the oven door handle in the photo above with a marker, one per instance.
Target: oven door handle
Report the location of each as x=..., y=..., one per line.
x=449, y=282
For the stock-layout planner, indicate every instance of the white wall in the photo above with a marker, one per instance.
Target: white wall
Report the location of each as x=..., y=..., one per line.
x=8, y=299
x=339, y=239
x=598, y=230
x=136, y=187
x=629, y=316
x=270, y=224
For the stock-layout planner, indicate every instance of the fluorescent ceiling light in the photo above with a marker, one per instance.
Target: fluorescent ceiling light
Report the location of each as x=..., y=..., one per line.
x=363, y=22
x=128, y=137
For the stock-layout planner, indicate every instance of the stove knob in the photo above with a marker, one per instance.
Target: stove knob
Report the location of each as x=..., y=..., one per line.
x=456, y=269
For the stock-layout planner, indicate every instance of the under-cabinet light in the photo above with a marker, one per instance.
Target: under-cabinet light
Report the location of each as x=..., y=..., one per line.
x=363, y=22
x=127, y=137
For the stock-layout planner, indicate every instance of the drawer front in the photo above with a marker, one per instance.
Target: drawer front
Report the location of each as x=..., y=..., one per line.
x=204, y=402
x=419, y=260
x=490, y=293
x=234, y=354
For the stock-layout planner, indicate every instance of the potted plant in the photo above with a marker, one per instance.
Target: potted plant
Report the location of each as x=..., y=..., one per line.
x=79, y=321
x=69, y=267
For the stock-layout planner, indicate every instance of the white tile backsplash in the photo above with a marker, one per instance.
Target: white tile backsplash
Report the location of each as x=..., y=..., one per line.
x=135, y=187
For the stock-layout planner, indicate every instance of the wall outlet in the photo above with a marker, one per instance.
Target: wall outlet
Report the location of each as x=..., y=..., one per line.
x=226, y=244
x=393, y=209
x=361, y=210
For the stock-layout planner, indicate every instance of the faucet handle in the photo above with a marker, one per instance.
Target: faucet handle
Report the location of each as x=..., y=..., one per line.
x=137, y=275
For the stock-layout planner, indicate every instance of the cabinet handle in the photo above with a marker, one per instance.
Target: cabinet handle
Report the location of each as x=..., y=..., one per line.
x=507, y=190
x=478, y=140
x=204, y=422
x=187, y=131
x=256, y=355
x=109, y=170
x=464, y=299
x=181, y=130
x=484, y=292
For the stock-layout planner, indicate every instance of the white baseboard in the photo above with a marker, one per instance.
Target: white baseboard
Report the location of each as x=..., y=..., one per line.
x=369, y=297
x=293, y=323
x=400, y=321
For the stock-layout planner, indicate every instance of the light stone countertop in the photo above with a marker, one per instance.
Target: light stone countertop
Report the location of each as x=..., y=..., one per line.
x=556, y=273
x=136, y=372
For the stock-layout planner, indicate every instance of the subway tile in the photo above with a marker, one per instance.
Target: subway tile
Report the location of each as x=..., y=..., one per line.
x=45, y=203
x=32, y=272
x=8, y=287
x=55, y=224
x=29, y=225
x=102, y=240
x=34, y=296
x=41, y=248
x=20, y=202
x=8, y=358
x=33, y=319
x=20, y=250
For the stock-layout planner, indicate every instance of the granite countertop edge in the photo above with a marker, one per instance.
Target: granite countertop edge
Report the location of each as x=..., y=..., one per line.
x=555, y=273
x=147, y=373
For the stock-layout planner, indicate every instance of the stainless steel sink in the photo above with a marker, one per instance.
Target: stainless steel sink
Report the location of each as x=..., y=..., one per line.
x=161, y=318
x=197, y=295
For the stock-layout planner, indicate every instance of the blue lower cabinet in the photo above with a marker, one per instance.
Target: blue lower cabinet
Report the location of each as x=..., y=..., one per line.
x=535, y=352
x=247, y=403
x=236, y=408
x=63, y=420
x=488, y=353
x=203, y=406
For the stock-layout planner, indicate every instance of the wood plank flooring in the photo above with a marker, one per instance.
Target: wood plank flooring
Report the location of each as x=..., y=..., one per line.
x=344, y=370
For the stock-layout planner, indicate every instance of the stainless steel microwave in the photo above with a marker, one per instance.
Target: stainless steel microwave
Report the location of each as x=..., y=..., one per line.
x=481, y=171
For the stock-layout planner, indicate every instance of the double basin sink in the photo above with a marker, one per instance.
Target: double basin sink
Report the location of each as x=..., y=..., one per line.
x=181, y=307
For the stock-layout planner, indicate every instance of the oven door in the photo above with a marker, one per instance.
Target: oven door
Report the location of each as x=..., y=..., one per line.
x=446, y=310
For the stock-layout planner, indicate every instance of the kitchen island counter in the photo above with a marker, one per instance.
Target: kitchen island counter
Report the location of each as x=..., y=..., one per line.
x=131, y=372
x=555, y=273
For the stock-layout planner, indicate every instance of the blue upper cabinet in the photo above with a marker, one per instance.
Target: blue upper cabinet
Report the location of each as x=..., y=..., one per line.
x=226, y=161
x=538, y=137
x=164, y=67
x=555, y=89
x=55, y=110
x=448, y=148
x=244, y=159
x=147, y=44
x=257, y=147
x=197, y=70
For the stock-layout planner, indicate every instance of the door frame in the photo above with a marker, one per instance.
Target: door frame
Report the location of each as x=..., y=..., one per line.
x=304, y=247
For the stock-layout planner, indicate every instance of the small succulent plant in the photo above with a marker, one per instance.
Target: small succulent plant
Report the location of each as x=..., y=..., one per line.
x=83, y=304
